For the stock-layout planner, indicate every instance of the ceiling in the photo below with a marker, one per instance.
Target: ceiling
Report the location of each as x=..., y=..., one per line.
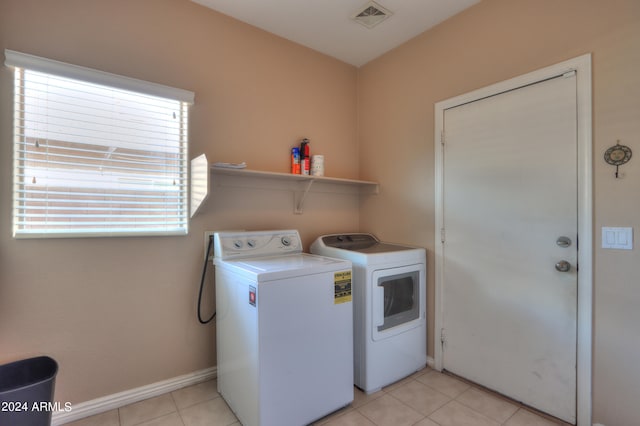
x=326, y=25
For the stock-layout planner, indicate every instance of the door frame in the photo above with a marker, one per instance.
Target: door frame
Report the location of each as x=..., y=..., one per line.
x=582, y=66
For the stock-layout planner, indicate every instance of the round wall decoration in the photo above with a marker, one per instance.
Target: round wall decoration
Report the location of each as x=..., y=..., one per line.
x=617, y=155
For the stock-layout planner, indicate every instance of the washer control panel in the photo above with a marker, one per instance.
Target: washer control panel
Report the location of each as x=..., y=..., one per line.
x=231, y=245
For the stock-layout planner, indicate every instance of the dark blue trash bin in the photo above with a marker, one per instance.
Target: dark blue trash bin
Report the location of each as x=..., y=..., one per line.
x=26, y=391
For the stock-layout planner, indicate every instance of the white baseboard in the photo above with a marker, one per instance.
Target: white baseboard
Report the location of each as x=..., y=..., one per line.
x=120, y=399
x=431, y=362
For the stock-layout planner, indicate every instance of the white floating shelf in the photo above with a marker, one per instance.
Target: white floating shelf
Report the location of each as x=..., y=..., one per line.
x=292, y=177
x=300, y=185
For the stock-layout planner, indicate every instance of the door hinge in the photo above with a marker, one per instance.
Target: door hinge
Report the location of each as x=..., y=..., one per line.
x=442, y=235
x=442, y=138
x=443, y=338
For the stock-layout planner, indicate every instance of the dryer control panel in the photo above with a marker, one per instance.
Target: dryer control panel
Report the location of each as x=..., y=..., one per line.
x=233, y=245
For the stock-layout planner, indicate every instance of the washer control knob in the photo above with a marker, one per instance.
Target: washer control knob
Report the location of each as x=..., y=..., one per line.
x=285, y=241
x=237, y=244
x=251, y=243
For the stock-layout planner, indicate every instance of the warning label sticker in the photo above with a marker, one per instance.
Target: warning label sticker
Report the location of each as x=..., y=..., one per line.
x=252, y=295
x=342, y=287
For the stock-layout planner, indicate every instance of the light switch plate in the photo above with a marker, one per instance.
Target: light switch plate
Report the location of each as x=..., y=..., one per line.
x=617, y=238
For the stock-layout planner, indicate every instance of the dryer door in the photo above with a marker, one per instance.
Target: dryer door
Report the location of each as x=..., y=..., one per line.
x=397, y=300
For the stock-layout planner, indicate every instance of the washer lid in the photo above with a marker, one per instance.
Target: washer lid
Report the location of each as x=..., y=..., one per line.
x=270, y=268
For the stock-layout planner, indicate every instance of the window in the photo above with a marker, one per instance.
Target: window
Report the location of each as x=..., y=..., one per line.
x=96, y=154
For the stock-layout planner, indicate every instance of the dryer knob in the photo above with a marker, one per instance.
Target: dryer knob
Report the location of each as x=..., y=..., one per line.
x=285, y=241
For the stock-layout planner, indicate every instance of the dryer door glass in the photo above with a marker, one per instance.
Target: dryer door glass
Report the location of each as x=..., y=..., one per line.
x=401, y=301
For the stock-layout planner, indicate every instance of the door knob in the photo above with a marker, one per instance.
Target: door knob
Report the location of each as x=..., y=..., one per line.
x=563, y=241
x=563, y=266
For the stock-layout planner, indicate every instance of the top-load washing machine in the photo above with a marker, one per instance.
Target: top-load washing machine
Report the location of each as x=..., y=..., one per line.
x=389, y=306
x=284, y=334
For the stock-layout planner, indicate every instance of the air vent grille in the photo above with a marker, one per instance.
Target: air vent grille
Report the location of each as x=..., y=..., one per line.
x=371, y=14
x=370, y=11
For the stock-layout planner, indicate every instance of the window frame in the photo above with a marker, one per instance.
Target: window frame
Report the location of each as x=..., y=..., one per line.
x=24, y=62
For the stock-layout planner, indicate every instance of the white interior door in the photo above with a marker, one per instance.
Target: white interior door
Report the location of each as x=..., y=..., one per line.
x=509, y=315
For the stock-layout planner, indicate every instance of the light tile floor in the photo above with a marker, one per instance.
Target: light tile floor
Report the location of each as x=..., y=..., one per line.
x=427, y=398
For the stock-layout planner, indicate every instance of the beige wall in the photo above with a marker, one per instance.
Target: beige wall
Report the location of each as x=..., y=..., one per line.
x=493, y=41
x=119, y=313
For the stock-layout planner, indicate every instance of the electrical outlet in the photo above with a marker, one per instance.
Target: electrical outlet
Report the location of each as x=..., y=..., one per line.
x=207, y=237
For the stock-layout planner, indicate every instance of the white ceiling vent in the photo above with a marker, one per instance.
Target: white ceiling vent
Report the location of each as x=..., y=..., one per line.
x=371, y=14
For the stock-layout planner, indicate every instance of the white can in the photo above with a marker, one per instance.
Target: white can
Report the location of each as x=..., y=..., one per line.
x=317, y=165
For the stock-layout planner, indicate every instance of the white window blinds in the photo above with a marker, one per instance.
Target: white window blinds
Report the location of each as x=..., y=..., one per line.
x=96, y=154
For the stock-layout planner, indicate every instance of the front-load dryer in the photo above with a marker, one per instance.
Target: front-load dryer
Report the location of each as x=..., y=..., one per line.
x=389, y=306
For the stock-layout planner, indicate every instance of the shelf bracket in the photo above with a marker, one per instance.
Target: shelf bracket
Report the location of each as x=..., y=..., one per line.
x=300, y=196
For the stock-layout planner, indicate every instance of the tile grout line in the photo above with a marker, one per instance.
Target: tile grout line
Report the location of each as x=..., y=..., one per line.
x=491, y=395
x=519, y=405
x=177, y=408
x=158, y=416
x=511, y=416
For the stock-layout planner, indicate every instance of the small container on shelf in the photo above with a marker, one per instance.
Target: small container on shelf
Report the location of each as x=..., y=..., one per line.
x=295, y=160
x=317, y=165
x=305, y=160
